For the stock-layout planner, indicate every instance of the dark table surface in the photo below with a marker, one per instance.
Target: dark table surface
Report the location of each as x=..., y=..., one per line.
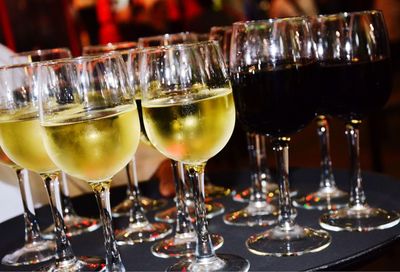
x=346, y=248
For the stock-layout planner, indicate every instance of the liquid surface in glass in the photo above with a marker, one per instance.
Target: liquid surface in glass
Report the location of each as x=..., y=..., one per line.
x=96, y=149
x=22, y=141
x=191, y=128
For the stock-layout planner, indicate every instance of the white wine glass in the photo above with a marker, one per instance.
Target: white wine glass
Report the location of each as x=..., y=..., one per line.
x=189, y=116
x=90, y=127
x=75, y=224
x=273, y=69
x=132, y=193
x=184, y=241
x=21, y=140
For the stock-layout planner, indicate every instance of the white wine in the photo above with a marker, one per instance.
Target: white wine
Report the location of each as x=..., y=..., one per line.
x=191, y=130
x=22, y=141
x=94, y=149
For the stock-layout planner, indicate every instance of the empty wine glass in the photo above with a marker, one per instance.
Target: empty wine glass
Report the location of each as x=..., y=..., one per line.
x=273, y=70
x=356, y=72
x=21, y=140
x=189, y=116
x=75, y=224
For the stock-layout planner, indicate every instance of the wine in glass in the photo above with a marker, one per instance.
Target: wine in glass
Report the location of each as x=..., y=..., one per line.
x=356, y=72
x=132, y=193
x=273, y=69
x=21, y=140
x=75, y=224
x=189, y=116
x=90, y=126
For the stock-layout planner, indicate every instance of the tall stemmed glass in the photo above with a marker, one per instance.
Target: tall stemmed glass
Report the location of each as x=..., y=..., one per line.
x=184, y=241
x=21, y=140
x=214, y=208
x=75, y=224
x=273, y=69
x=90, y=126
x=189, y=116
x=356, y=73
x=35, y=249
x=125, y=207
x=259, y=211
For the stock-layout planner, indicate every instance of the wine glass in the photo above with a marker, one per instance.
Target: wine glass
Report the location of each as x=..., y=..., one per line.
x=189, y=116
x=21, y=140
x=35, y=249
x=184, y=241
x=273, y=70
x=90, y=126
x=75, y=224
x=213, y=208
x=356, y=71
x=259, y=211
x=132, y=192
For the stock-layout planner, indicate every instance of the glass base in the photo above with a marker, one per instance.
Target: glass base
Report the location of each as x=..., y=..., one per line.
x=169, y=215
x=297, y=241
x=271, y=192
x=148, y=204
x=82, y=263
x=221, y=262
x=149, y=232
x=182, y=246
x=214, y=191
x=31, y=253
x=330, y=198
x=255, y=214
x=359, y=218
x=75, y=225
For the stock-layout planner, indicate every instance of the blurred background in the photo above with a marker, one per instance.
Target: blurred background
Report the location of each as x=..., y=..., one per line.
x=40, y=24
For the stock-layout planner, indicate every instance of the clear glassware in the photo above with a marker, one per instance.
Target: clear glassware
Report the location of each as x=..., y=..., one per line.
x=189, y=115
x=212, y=191
x=87, y=104
x=354, y=61
x=19, y=123
x=148, y=204
x=75, y=224
x=273, y=71
x=35, y=249
x=328, y=196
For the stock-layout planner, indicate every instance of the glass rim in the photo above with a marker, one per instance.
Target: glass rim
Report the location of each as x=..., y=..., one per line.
x=348, y=13
x=81, y=59
x=220, y=28
x=40, y=51
x=178, y=47
x=269, y=21
x=112, y=46
x=166, y=35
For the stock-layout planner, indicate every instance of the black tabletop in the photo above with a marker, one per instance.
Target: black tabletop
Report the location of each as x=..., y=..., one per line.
x=345, y=249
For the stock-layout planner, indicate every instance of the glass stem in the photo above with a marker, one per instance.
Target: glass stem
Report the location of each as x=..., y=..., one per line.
x=136, y=212
x=265, y=173
x=32, y=230
x=102, y=193
x=64, y=251
x=183, y=223
x=253, y=146
x=281, y=148
x=66, y=200
x=204, y=248
x=327, y=178
x=357, y=195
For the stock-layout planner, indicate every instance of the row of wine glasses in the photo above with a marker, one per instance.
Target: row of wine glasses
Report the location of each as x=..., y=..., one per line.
x=188, y=113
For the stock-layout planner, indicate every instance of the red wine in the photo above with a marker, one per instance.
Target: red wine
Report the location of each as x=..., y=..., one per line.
x=276, y=100
x=354, y=90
